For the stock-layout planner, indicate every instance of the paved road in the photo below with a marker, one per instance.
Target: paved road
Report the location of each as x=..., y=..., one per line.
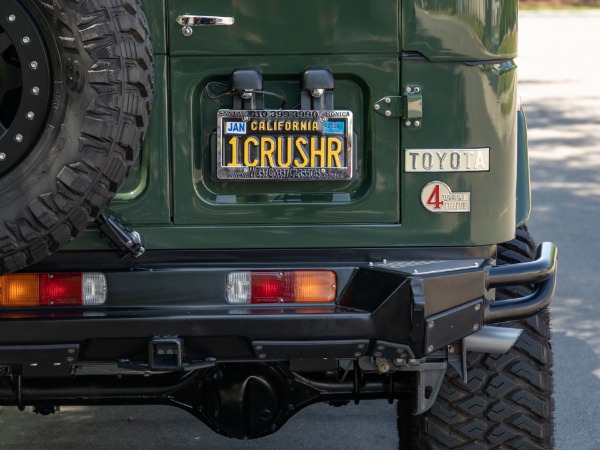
x=559, y=85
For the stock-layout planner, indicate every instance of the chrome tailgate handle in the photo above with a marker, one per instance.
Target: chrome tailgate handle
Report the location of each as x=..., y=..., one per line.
x=187, y=21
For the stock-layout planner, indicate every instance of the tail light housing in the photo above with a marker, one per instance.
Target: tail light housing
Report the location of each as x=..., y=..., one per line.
x=299, y=286
x=52, y=289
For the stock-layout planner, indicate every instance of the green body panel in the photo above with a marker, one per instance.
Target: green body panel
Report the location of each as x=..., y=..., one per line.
x=464, y=106
x=372, y=197
x=264, y=27
x=156, y=12
x=145, y=198
x=460, y=30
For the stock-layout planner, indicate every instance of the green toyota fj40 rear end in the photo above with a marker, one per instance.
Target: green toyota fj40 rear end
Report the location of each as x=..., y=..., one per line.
x=329, y=206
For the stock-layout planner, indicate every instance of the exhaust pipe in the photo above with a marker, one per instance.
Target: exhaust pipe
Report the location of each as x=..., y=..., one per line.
x=492, y=340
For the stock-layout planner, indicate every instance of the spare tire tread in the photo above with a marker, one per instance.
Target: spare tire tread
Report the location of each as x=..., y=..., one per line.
x=113, y=37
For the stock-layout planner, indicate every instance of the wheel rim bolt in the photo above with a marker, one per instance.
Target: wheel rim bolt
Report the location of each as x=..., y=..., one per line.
x=12, y=18
x=18, y=137
x=26, y=40
x=35, y=90
x=33, y=65
x=30, y=115
x=2, y=156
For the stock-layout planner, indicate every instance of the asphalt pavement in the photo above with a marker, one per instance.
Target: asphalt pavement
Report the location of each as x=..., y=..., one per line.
x=559, y=71
x=559, y=68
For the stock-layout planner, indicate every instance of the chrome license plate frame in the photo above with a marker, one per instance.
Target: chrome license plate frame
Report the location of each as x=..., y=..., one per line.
x=284, y=145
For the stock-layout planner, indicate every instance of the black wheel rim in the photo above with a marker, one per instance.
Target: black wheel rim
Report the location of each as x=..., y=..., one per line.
x=25, y=83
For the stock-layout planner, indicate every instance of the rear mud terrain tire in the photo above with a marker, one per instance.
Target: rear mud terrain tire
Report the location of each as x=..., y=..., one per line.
x=76, y=80
x=507, y=402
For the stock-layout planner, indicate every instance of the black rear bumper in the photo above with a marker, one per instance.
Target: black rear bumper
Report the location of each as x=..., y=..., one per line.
x=541, y=273
x=386, y=309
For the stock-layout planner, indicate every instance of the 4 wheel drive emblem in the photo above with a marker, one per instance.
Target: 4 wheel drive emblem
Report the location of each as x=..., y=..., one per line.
x=437, y=197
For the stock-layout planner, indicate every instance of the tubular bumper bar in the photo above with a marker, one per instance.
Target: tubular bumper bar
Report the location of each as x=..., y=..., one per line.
x=542, y=271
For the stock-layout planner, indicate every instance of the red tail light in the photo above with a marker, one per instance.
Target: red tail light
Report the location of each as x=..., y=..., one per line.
x=61, y=289
x=52, y=289
x=299, y=286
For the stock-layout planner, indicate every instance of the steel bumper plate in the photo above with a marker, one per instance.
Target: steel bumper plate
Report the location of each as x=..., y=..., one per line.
x=284, y=145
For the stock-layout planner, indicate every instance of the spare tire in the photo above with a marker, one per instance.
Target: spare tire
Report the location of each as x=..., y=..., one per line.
x=76, y=80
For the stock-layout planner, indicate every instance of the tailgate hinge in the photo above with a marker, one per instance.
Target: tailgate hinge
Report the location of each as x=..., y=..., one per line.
x=408, y=106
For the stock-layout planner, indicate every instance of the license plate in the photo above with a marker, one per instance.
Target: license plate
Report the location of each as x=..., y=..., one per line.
x=284, y=145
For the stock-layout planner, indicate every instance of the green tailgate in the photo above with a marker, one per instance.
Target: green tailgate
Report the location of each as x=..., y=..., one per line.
x=355, y=39
x=457, y=52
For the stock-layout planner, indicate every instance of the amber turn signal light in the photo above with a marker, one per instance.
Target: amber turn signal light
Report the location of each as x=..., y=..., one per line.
x=47, y=289
x=298, y=286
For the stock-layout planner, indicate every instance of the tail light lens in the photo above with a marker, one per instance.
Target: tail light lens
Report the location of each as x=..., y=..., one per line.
x=19, y=290
x=59, y=289
x=300, y=286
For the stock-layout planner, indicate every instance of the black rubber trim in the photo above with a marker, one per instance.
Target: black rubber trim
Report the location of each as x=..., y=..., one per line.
x=487, y=62
x=418, y=56
x=110, y=260
x=413, y=56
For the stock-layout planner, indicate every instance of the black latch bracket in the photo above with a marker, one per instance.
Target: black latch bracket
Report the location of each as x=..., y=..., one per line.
x=317, y=85
x=128, y=243
x=247, y=88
